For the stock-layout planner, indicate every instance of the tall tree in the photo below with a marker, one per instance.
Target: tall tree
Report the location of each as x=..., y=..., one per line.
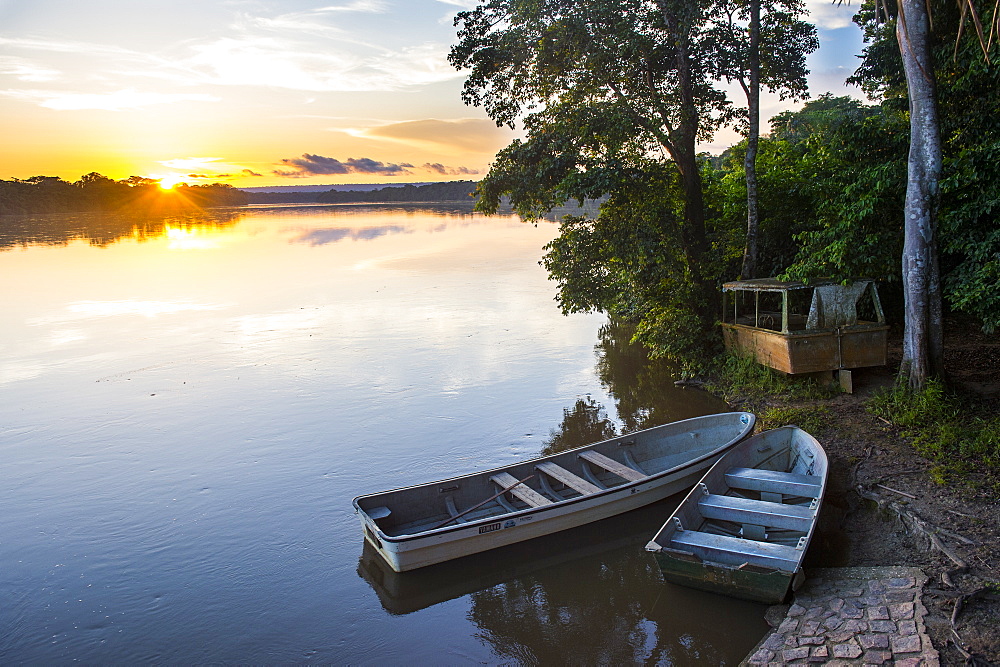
x=603, y=88
x=761, y=44
x=923, y=331
x=923, y=339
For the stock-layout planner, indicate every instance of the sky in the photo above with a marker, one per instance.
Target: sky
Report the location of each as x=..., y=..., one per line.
x=269, y=92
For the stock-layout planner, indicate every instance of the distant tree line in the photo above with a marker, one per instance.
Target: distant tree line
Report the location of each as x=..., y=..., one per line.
x=94, y=192
x=432, y=192
x=299, y=197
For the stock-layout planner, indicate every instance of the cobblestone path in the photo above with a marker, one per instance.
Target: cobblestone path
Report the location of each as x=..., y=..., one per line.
x=853, y=616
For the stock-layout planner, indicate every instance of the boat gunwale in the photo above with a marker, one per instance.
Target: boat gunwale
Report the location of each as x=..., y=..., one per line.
x=746, y=433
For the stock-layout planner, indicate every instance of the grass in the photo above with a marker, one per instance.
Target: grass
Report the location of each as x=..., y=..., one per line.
x=745, y=376
x=950, y=431
x=812, y=419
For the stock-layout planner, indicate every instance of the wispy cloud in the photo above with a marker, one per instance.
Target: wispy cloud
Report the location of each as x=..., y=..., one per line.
x=438, y=168
x=118, y=100
x=827, y=15
x=317, y=165
x=461, y=135
x=25, y=70
x=367, y=6
x=464, y=4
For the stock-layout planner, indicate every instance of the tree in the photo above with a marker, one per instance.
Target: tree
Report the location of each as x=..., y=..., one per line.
x=923, y=331
x=755, y=49
x=923, y=339
x=608, y=92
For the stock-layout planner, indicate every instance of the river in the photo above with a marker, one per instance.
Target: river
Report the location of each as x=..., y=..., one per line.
x=189, y=403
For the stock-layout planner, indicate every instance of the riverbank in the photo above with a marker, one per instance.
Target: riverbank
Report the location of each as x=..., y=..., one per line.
x=886, y=506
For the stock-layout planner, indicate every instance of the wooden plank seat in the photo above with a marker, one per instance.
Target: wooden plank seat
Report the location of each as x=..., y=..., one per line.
x=521, y=490
x=566, y=477
x=786, y=483
x=736, y=551
x=613, y=466
x=747, y=511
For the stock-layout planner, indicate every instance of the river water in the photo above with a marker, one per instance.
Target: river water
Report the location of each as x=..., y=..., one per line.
x=189, y=403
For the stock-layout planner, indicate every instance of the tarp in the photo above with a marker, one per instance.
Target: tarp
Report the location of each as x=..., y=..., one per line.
x=835, y=305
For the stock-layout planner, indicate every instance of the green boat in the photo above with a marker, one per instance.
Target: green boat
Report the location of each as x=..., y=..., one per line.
x=744, y=529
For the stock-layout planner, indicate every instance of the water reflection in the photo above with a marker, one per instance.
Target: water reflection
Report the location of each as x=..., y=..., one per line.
x=612, y=609
x=192, y=228
x=325, y=236
x=590, y=595
x=587, y=421
x=643, y=390
x=104, y=229
x=189, y=403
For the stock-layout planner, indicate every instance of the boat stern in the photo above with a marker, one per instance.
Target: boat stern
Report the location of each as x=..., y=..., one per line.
x=748, y=582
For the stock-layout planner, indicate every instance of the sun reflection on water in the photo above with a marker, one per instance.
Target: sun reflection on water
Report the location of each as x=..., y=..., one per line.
x=200, y=237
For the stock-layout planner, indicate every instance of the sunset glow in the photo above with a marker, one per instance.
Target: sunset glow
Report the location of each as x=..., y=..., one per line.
x=169, y=182
x=291, y=93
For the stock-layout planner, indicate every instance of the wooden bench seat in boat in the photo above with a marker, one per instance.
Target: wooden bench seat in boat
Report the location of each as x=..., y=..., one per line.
x=747, y=511
x=613, y=466
x=522, y=491
x=736, y=551
x=566, y=477
x=771, y=481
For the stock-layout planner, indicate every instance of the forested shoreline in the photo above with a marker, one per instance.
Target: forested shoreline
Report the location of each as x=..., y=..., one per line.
x=831, y=177
x=95, y=192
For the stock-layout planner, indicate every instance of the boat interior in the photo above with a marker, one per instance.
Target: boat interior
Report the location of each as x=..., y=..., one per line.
x=760, y=513
x=544, y=481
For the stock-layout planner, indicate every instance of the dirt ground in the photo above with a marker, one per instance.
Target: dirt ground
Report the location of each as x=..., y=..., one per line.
x=884, y=508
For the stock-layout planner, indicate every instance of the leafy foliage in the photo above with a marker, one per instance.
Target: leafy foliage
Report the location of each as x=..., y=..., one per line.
x=630, y=263
x=968, y=86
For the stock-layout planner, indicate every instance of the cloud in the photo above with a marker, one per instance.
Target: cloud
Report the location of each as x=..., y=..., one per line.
x=119, y=100
x=249, y=172
x=316, y=165
x=24, y=70
x=439, y=168
x=828, y=15
x=367, y=6
x=471, y=135
x=256, y=60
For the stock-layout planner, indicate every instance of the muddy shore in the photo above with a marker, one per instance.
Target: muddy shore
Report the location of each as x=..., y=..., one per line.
x=884, y=507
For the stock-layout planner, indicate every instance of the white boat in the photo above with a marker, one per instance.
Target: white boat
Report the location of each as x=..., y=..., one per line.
x=744, y=529
x=421, y=525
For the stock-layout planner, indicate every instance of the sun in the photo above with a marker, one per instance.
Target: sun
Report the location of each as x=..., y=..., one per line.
x=168, y=182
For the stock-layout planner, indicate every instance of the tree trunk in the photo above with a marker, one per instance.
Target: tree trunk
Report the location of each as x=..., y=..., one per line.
x=922, y=334
x=677, y=17
x=749, y=269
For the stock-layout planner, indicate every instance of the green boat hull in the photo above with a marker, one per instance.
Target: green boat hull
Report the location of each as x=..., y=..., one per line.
x=748, y=582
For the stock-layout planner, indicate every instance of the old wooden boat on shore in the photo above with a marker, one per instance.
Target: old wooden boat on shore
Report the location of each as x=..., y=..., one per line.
x=798, y=328
x=431, y=523
x=744, y=529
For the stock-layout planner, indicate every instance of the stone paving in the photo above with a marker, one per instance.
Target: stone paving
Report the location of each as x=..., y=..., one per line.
x=852, y=616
